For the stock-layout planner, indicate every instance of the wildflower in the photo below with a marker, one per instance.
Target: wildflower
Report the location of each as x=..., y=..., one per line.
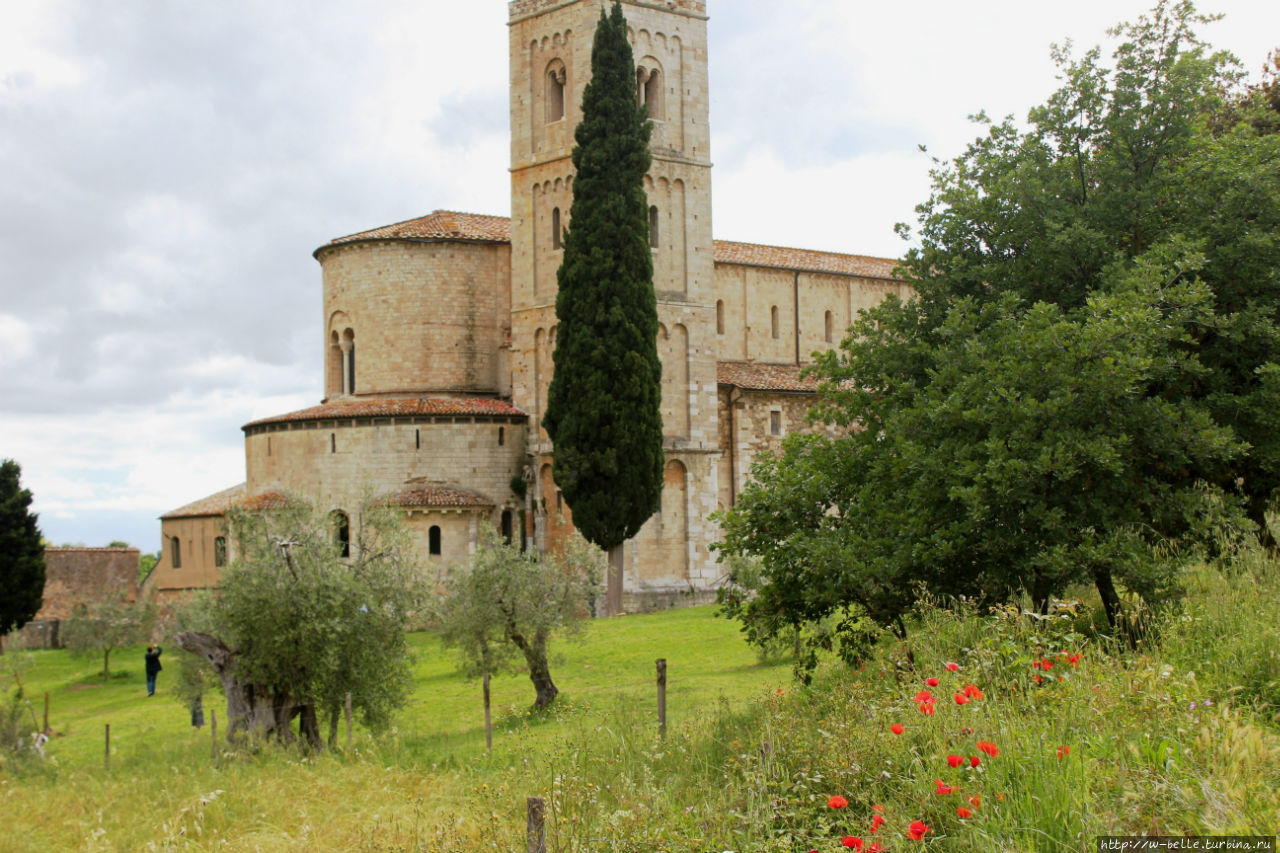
x=924, y=696
x=1074, y=660
x=943, y=788
x=988, y=747
x=974, y=761
x=963, y=813
x=974, y=800
x=1063, y=751
x=953, y=667
x=852, y=841
x=837, y=802
x=1048, y=664
x=927, y=708
x=917, y=830
x=973, y=692
x=931, y=681
x=1037, y=679
x=877, y=808
x=961, y=699
x=1035, y=664
x=876, y=822
x=897, y=728
x=955, y=760
x=874, y=847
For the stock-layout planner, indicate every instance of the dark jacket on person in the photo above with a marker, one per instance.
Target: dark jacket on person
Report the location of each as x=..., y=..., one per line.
x=153, y=661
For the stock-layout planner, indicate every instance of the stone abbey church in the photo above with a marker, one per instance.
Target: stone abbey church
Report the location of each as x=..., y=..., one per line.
x=438, y=337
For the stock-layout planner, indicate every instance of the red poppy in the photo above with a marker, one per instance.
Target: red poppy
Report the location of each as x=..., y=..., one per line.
x=975, y=800
x=973, y=692
x=1074, y=660
x=954, y=667
x=943, y=788
x=963, y=813
x=1037, y=679
x=877, y=808
x=961, y=699
x=874, y=847
x=1035, y=664
x=988, y=747
x=876, y=822
x=837, y=802
x=1064, y=751
x=897, y=728
x=852, y=841
x=927, y=708
x=955, y=760
x=974, y=761
x=917, y=830
x=924, y=696
x=931, y=681
x=1048, y=664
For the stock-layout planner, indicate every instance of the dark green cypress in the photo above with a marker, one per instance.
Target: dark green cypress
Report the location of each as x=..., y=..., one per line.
x=21, y=553
x=604, y=405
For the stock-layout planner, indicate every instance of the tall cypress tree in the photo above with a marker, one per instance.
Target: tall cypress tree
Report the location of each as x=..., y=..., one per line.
x=21, y=553
x=603, y=408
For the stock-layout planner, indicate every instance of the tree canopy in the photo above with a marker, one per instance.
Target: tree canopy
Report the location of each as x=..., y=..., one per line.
x=21, y=552
x=295, y=625
x=603, y=407
x=1085, y=378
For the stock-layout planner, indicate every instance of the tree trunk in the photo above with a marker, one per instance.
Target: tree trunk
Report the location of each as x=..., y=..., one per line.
x=535, y=655
x=252, y=709
x=309, y=727
x=1111, y=603
x=613, y=585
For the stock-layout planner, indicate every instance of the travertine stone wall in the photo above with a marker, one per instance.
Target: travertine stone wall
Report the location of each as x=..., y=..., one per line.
x=425, y=316
x=74, y=576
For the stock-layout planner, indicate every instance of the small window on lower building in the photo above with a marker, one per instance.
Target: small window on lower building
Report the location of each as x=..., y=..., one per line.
x=220, y=551
x=433, y=540
x=342, y=532
x=175, y=552
x=775, y=423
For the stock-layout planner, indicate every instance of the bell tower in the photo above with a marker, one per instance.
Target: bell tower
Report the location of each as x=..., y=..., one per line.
x=550, y=65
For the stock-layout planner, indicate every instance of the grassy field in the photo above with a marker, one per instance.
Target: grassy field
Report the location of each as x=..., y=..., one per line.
x=1062, y=736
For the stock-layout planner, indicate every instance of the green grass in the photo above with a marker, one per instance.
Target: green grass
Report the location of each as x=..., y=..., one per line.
x=750, y=759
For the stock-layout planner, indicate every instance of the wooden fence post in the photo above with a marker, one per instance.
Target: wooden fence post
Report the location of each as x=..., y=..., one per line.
x=347, y=710
x=488, y=720
x=106, y=755
x=537, y=825
x=662, y=696
x=46, y=728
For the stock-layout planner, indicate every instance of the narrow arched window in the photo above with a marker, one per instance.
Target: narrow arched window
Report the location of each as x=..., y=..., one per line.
x=220, y=551
x=653, y=226
x=653, y=94
x=829, y=326
x=719, y=316
x=773, y=320
x=175, y=552
x=556, y=230
x=433, y=540
x=502, y=436
x=349, y=348
x=555, y=91
x=341, y=532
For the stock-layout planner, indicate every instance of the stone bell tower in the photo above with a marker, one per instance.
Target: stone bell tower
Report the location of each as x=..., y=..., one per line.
x=550, y=56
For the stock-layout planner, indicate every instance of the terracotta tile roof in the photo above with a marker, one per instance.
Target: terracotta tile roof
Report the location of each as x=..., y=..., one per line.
x=754, y=376
x=395, y=406
x=805, y=260
x=220, y=502
x=444, y=496
x=452, y=225
x=439, y=225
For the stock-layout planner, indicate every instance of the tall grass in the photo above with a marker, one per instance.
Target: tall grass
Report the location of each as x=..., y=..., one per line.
x=1180, y=737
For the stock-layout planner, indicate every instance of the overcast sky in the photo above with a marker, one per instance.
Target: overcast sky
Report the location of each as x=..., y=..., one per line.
x=167, y=168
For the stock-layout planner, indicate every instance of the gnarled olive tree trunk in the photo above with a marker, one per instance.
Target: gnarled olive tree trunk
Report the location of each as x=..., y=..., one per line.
x=253, y=710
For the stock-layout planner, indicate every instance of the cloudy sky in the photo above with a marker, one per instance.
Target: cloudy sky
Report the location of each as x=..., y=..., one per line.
x=167, y=168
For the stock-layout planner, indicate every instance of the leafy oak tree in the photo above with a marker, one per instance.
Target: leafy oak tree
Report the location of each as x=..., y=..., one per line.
x=1085, y=378
x=21, y=553
x=603, y=407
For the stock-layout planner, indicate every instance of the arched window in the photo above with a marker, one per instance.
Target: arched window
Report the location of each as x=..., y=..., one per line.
x=649, y=90
x=829, y=326
x=433, y=540
x=502, y=436
x=341, y=532
x=220, y=551
x=175, y=552
x=773, y=320
x=333, y=366
x=556, y=230
x=719, y=316
x=555, y=91
x=653, y=226
x=349, y=349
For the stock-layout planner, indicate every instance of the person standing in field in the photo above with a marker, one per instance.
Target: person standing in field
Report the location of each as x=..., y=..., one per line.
x=153, y=668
